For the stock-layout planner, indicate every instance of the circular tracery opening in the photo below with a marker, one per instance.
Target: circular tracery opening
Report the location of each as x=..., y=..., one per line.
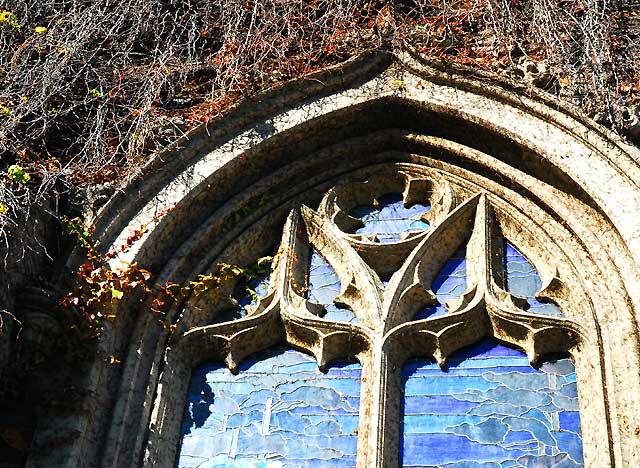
x=386, y=207
x=390, y=219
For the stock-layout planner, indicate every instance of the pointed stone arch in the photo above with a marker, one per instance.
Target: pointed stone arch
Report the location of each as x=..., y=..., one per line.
x=561, y=186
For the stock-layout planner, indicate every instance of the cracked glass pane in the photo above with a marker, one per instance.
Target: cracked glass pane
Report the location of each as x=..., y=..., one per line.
x=449, y=283
x=279, y=411
x=391, y=220
x=524, y=281
x=324, y=286
x=490, y=409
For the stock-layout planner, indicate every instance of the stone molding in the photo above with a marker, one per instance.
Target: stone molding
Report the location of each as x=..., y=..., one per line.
x=499, y=162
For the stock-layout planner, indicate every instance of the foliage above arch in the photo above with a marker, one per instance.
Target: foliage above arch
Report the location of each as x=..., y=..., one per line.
x=89, y=90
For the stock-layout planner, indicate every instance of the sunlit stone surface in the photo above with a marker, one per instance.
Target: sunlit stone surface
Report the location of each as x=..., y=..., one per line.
x=524, y=281
x=391, y=220
x=490, y=409
x=280, y=411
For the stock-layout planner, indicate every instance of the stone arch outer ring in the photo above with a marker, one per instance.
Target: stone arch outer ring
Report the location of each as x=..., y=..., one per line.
x=602, y=166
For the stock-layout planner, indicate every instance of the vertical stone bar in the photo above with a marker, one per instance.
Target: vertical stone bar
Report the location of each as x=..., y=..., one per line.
x=380, y=395
x=479, y=248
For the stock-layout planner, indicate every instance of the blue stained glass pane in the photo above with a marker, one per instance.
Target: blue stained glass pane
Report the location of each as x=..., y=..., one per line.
x=324, y=286
x=246, y=294
x=524, y=281
x=509, y=415
x=391, y=220
x=258, y=285
x=449, y=283
x=279, y=411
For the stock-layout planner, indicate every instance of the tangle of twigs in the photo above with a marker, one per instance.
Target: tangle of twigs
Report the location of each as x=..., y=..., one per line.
x=88, y=89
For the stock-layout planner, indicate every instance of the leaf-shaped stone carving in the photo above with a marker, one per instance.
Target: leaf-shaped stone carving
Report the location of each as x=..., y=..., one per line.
x=325, y=339
x=233, y=341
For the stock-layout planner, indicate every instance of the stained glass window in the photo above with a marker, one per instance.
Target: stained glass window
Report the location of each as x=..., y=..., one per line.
x=524, y=281
x=391, y=219
x=279, y=411
x=470, y=402
x=324, y=286
x=450, y=283
x=491, y=409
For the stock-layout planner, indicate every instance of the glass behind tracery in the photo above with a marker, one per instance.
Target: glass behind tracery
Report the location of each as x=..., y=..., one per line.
x=488, y=408
x=524, y=281
x=279, y=411
x=324, y=286
x=391, y=219
x=450, y=283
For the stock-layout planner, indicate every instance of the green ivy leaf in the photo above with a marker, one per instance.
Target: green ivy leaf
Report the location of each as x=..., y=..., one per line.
x=116, y=295
x=263, y=260
x=9, y=18
x=18, y=174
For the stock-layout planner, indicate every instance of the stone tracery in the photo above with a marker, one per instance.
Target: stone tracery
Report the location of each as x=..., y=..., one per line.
x=385, y=333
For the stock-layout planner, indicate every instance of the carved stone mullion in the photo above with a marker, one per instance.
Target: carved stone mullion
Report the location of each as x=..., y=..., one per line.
x=328, y=340
x=382, y=362
x=439, y=337
x=466, y=322
x=325, y=340
x=413, y=280
x=361, y=287
x=379, y=429
x=231, y=342
x=388, y=337
x=480, y=265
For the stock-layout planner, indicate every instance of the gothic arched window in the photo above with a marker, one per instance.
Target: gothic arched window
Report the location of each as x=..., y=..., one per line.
x=454, y=284
x=398, y=262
